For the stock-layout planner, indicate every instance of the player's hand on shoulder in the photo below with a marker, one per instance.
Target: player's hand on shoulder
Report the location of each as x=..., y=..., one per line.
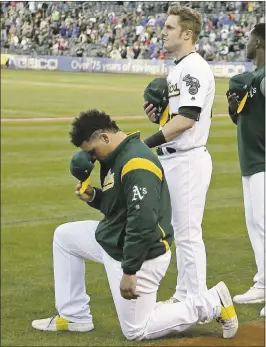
x=150, y=110
x=233, y=101
x=87, y=195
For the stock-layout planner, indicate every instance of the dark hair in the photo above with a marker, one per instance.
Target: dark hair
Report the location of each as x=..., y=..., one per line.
x=87, y=123
x=259, y=30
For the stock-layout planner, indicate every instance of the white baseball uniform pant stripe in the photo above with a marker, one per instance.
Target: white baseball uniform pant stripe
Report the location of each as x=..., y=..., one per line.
x=139, y=319
x=188, y=176
x=253, y=190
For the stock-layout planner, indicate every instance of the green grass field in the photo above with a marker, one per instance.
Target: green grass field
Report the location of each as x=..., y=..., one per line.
x=37, y=194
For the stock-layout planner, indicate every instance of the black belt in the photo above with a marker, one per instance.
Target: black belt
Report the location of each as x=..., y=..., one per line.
x=169, y=150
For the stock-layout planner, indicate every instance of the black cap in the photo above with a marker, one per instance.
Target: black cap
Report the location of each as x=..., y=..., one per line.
x=81, y=165
x=156, y=93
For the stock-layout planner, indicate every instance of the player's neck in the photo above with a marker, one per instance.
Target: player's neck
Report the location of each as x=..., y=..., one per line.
x=184, y=51
x=117, y=138
x=114, y=141
x=259, y=61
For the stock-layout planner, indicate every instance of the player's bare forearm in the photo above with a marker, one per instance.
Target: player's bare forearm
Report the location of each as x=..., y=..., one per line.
x=176, y=126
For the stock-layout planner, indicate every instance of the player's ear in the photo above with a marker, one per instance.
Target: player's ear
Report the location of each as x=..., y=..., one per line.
x=104, y=137
x=188, y=35
x=258, y=43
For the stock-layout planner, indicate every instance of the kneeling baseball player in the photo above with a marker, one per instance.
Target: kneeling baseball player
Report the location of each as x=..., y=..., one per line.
x=132, y=242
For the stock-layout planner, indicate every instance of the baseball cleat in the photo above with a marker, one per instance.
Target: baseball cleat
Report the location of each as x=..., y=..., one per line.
x=262, y=312
x=252, y=296
x=57, y=323
x=228, y=318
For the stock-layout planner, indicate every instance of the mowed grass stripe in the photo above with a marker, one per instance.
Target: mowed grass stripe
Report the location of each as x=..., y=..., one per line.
x=61, y=95
x=45, y=213
x=222, y=148
x=60, y=128
x=86, y=78
x=57, y=85
x=33, y=84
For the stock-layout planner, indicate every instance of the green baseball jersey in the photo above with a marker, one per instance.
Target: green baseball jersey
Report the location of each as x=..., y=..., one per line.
x=136, y=205
x=251, y=128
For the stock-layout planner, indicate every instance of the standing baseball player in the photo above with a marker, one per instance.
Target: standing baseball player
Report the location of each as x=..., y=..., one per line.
x=132, y=241
x=181, y=145
x=247, y=111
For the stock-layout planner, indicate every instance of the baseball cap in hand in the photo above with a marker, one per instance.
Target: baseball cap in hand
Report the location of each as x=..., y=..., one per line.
x=240, y=85
x=156, y=93
x=81, y=167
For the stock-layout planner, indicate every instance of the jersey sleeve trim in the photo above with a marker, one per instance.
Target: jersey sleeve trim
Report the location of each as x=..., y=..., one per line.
x=191, y=112
x=242, y=103
x=141, y=163
x=163, y=238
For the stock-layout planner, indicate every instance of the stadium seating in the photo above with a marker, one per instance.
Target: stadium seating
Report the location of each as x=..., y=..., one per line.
x=122, y=29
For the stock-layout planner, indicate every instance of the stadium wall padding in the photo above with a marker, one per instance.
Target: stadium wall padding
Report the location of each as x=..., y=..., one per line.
x=138, y=66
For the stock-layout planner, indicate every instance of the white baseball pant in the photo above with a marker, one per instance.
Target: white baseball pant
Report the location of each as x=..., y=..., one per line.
x=253, y=190
x=188, y=175
x=139, y=319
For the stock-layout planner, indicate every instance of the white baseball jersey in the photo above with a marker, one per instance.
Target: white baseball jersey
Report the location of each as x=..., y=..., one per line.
x=191, y=83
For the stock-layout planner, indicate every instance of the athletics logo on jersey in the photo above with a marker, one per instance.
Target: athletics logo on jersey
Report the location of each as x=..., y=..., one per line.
x=173, y=90
x=193, y=84
x=137, y=193
x=252, y=92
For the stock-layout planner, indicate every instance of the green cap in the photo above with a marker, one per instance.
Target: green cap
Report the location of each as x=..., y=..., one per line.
x=156, y=93
x=240, y=85
x=81, y=165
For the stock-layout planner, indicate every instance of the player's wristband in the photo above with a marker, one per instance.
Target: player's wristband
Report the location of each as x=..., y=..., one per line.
x=93, y=197
x=155, y=140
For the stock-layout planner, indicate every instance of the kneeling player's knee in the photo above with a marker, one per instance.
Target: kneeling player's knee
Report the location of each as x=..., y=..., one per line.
x=60, y=234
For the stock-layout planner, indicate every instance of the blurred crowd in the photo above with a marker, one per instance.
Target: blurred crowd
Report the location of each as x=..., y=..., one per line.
x=123, y=29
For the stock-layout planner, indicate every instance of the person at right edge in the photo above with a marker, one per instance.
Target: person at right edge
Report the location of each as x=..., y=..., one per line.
x=246, y=99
